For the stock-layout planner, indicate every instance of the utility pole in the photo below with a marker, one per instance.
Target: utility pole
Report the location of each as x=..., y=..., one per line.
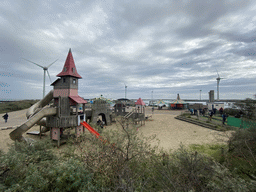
x=152, y=97
x=200, y=94
x=125, y=87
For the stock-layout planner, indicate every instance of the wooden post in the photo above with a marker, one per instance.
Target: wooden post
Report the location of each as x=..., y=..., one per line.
x=76, y=109
x=40, y=132
x=59, y=141
x=84, y=110
x=59, y=106
x=51, y=133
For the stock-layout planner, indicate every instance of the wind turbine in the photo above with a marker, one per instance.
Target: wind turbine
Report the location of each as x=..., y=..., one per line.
x=218, y=84
x=45, y=69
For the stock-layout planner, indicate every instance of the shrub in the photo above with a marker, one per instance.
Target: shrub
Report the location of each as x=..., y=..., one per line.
x=36, y=168
x=231, y=112
x=241, y=156
x=117, y=159
x=184, y=170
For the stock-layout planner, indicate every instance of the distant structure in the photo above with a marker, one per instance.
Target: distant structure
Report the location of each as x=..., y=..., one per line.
x=178, y=103
x=137, y=114
x=119, y=108
x=218, y=85
x=211, y=96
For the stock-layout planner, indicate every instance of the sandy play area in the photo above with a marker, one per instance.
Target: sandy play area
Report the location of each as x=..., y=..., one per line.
x=171, y=132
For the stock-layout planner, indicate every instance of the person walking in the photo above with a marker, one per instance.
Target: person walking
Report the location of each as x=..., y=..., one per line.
x=224, y=118
x=6, y=117
x=221, y=111
x=211, y=114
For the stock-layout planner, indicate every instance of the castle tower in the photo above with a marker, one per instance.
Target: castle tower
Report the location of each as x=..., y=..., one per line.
x=66, y=94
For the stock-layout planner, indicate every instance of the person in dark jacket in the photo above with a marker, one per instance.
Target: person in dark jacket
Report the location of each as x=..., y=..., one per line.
x=211, y=114
x=224, y=117
x=221, y=111
x=6, y=117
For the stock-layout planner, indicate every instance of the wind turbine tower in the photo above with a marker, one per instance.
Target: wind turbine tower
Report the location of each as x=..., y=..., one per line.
x=218, y=86
x=45, y=69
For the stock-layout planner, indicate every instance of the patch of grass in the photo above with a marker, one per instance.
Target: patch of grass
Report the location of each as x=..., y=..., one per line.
x=6, y=107
x=216, y=151
x=188, y=115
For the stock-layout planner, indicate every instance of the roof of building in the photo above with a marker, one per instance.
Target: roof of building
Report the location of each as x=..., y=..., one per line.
x=77, y=99
x=55, y=81
x=123, y=99
x=69, y=68
x=178, y=100
x=140, y=102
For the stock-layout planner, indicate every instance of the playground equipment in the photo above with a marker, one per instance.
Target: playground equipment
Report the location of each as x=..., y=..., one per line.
x=137, y=114
x=64, y=113
x=35, y=115
x=100, y=107
x=87, y=126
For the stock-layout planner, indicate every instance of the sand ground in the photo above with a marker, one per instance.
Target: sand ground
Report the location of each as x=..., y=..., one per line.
x=171, y=132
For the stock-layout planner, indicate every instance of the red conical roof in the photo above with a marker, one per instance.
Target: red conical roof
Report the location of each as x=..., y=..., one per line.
x=140, y=102
x=69, y=68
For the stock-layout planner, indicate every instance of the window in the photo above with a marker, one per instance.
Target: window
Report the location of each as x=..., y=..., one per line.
x=74, y=81
x=74, y=70
x=65, y=69
x=64, y=80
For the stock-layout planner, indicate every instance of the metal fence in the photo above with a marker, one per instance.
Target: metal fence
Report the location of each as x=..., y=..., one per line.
x=241, y=123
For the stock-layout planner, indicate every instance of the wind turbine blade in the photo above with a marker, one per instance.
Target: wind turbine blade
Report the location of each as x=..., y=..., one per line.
x=52, y=63
x=217, y=72
x=33, y=63
x=49, y=76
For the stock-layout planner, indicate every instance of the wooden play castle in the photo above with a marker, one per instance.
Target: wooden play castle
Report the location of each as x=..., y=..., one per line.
x=67, y=101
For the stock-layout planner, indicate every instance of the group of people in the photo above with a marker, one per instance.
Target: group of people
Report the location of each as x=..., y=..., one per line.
x=211, y=113
x=223, y=115
x=194, y=111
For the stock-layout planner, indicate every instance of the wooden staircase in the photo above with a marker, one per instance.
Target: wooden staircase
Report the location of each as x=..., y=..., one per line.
x=129, y=114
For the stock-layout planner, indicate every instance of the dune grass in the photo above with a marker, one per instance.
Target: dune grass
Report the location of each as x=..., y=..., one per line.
x=7, y=107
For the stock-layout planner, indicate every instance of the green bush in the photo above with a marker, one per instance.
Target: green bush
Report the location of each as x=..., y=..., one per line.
x=231, y=112
x=117, y=158
x=36, y=168
x=185, y=170
x=241, y=156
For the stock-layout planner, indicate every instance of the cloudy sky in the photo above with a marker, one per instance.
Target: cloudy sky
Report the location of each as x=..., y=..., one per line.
x=166, y=46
